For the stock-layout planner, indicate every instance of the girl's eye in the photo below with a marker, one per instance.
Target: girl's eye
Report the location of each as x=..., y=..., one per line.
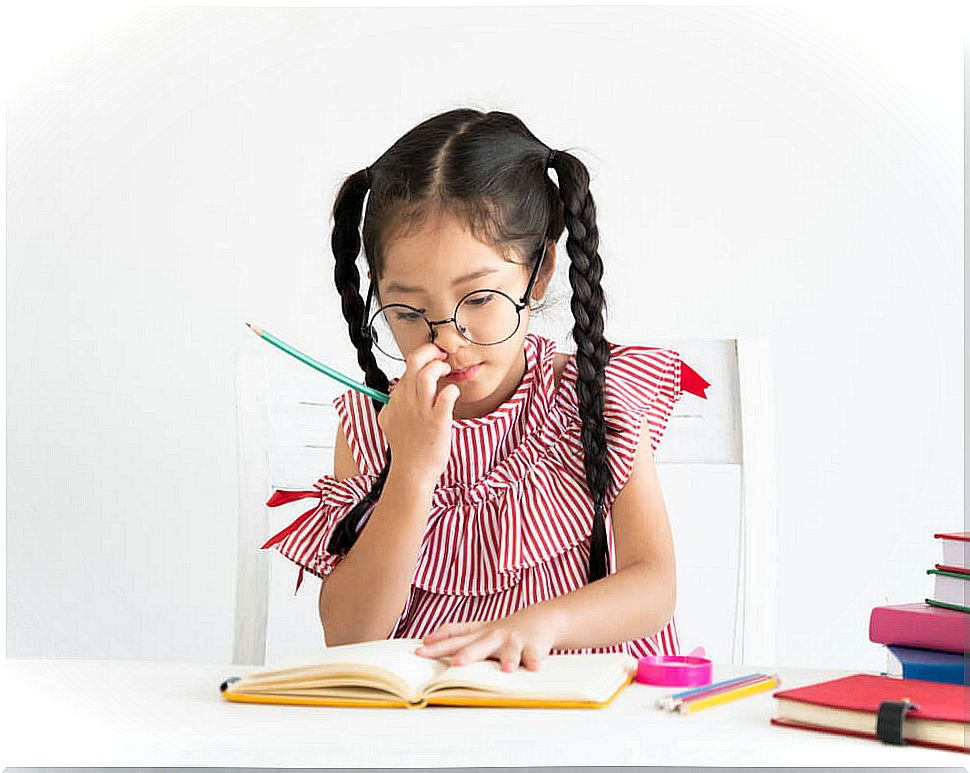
x=405, y=316
x=479, y=301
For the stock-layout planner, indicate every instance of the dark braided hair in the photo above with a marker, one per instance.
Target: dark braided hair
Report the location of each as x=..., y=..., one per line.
x=490, y=171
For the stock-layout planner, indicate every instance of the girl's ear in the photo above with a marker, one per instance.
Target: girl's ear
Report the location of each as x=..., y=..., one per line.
x=545, y=273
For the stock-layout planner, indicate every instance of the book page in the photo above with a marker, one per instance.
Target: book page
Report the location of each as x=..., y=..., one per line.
x=394, y=656
x=593, y=677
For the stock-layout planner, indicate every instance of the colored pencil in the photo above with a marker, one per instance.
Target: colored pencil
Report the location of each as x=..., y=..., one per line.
x=670, y=702
x=703, y=688
x=718, y=690
x=325, y=369
x=689, y=706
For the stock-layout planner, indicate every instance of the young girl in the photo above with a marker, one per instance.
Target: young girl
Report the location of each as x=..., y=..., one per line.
x=504, y=503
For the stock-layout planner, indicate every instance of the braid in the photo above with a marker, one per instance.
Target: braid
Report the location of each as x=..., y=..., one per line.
x=592, y=353
x=345, y=242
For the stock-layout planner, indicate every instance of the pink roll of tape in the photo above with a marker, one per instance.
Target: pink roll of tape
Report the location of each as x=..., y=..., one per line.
x=674, y=670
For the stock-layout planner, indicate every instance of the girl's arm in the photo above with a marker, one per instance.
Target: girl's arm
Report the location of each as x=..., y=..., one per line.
x=635, y=602
x=639, y=599
x=362, y=598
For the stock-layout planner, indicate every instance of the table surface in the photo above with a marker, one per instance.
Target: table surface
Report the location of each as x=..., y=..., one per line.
x=146, y=713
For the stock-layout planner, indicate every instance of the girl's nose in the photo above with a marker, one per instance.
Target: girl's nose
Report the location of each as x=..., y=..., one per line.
x=447, y=337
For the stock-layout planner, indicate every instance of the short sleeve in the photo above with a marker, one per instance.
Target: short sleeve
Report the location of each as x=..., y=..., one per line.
x=641, y=383
x=305, y=540
x=358, y=420
x=641, y=386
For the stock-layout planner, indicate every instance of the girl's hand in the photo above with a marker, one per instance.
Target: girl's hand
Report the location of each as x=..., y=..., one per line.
x=525, y=636
x=417, y=419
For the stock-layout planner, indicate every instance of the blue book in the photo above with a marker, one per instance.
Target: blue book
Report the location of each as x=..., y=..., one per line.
x=933, y=665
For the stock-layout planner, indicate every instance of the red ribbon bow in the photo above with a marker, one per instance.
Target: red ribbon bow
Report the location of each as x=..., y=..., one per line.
x=280, y=497
x=691, y=381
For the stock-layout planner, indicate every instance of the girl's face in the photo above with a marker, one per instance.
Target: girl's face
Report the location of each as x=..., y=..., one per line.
x=433, y=269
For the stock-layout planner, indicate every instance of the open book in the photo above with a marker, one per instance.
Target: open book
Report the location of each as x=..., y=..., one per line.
x=387, y=673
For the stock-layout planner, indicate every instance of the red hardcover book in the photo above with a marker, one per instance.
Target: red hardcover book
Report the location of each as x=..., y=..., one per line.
x=920, y=625
x=957, y=569
x=849, y=706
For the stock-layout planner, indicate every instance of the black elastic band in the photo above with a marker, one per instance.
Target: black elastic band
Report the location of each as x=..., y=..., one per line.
x=889, y=721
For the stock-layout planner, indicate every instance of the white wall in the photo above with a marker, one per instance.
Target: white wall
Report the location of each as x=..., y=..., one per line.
x=754, y=169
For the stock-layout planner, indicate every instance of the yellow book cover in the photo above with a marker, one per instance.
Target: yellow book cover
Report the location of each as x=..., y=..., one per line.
x=387, y=673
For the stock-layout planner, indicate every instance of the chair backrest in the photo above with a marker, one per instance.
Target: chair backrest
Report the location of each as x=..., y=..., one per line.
x=716, y=469
x=715, y=465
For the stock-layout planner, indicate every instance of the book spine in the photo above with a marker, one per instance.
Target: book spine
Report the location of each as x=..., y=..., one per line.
x=945, y=605
x=932, y=666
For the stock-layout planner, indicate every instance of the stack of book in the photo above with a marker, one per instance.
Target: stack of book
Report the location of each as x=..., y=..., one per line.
x=923, y=700
x=930, y=640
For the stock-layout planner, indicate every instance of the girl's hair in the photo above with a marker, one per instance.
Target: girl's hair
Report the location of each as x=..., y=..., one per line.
x=489, y=170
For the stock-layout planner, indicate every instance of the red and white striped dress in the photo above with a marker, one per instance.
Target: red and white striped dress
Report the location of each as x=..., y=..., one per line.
x=511, y=516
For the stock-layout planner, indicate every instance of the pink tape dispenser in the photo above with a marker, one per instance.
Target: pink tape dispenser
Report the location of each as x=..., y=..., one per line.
x=693, y=670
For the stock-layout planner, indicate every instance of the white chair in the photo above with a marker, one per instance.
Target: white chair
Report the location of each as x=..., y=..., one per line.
x=715, y=464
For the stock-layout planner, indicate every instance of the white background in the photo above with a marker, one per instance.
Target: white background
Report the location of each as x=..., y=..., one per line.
x=170, y=176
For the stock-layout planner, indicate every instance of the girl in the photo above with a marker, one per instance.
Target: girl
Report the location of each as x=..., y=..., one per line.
x=504, y=503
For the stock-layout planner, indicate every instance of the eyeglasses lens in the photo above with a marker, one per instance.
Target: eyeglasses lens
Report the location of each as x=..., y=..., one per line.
x=485, y=317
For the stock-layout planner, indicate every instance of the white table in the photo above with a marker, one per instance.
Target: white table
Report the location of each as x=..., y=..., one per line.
x=155, y=714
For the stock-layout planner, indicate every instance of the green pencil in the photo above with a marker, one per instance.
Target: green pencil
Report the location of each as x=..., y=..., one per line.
x=328, y=371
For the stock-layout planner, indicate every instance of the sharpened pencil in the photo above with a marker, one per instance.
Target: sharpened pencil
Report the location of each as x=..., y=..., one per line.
x=690, y=706
x=325, y=369
x=671, y=702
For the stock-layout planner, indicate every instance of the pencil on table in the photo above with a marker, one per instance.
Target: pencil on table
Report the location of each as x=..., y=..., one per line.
x=671, y=702
x=688, y=706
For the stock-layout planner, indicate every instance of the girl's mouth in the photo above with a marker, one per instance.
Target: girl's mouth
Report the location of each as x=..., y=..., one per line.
x=464, y=375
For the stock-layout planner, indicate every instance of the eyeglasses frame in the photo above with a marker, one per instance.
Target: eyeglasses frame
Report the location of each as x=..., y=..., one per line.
x=519, y=305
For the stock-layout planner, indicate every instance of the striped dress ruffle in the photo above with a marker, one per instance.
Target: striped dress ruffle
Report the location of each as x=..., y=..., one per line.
x=511, y=516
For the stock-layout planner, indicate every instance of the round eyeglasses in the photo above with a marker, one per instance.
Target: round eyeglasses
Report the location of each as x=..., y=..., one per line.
x=483, y=317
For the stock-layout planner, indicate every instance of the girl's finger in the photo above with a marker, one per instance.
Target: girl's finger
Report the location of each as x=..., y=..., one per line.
x=449, y=629
x=509, y=656
x=480, y=648
x=530, y=658
x=427, y=380
x=447, y=646
x=417, y=360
